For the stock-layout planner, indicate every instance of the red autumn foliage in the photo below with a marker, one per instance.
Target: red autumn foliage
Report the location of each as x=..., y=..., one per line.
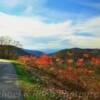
x=95, y=60
x=33, y=58
x=23, y=58
x=69, y=68
x=43, y=60
x=80, y=62
x=85, y=55
x=69, y=76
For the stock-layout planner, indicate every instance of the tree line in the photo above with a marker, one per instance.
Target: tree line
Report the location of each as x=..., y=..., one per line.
x=8, y=47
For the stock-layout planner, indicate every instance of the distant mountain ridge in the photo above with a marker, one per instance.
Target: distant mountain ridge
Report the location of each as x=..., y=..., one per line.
x=76, y=52
x=60, y=53
x=21, y=51
x=11, y=52
x=33, y=52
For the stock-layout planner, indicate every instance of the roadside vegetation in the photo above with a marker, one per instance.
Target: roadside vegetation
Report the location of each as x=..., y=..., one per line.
x=31, y=88
x=74, y=79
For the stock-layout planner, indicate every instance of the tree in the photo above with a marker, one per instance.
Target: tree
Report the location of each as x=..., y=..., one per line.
x=7, y=47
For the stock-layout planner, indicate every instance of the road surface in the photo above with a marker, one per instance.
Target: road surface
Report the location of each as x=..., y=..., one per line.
x=8, y=88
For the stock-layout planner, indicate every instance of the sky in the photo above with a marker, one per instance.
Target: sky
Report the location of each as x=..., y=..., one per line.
x=51, y=24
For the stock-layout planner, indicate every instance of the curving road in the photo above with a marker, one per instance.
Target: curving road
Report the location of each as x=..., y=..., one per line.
x=8, y=87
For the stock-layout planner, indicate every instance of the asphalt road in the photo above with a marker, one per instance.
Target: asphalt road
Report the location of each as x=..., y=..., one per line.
x=9, y=90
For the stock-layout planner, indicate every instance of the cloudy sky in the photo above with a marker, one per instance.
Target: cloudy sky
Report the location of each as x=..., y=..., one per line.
x=51, y=24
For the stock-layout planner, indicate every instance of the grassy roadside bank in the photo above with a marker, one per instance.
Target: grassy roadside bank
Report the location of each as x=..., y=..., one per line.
x=31, y=89
x=26, y=83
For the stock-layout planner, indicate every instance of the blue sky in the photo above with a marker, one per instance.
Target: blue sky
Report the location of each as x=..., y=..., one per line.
x=51, y=24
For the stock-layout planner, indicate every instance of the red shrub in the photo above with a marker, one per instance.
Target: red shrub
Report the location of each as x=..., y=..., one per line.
x=80, y=62
x=69, y=76
x=85, y=55
x=69, y=68
x=95, y=60
x=43, y=60
x=33, y=58
x=23, y=58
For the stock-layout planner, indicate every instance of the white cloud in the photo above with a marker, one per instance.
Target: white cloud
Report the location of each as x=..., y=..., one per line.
x=91, y=25
x=85, y=42
x=19, y=27
x=30, y=26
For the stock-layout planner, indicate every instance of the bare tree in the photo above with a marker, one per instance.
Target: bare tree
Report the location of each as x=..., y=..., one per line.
x=7, y=46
